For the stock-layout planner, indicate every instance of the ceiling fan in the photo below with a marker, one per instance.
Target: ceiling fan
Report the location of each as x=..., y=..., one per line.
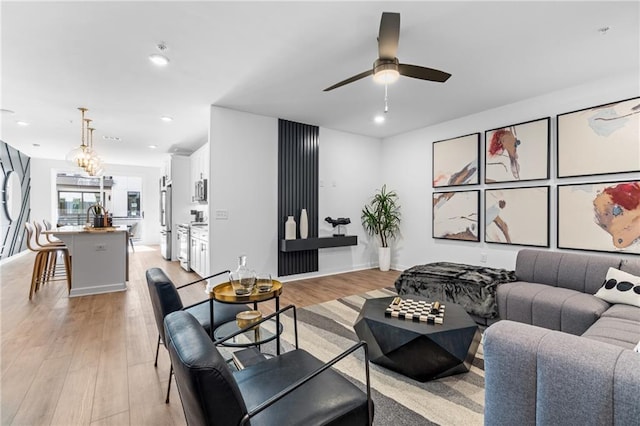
x=387, y=69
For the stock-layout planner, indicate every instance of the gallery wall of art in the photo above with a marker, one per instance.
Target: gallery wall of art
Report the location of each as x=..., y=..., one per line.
x=554, y=172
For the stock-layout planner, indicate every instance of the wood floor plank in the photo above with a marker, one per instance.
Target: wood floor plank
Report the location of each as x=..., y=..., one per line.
x=41, y=400
x=17, y=380
x=112, y=389
x=119, y=419
x=76, y=398
x=146, y=398
x=94, y=354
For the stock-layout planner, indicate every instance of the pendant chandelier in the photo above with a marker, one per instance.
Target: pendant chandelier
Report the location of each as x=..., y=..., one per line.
x=94, y=163
x=85, y=156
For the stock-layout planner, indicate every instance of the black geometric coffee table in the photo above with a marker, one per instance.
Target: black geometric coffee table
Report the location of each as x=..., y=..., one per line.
x=418, y=350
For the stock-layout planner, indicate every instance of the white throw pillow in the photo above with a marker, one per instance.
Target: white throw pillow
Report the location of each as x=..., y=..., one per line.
x=620, y=287
x=637, y=348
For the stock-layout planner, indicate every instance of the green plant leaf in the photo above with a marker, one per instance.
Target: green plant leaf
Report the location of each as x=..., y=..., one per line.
x=381, y=217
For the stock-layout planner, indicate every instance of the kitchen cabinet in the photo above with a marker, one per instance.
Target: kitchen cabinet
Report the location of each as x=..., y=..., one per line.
x=100, y=259
x=199, y=250
x=199, y=162
x=121, y=190
x=166, y=170
x=119, y=196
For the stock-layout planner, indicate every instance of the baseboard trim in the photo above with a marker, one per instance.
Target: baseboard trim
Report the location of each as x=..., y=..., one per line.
x=99, y=289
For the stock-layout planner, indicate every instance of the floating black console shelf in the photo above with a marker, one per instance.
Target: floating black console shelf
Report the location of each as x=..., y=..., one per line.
x=318, y=243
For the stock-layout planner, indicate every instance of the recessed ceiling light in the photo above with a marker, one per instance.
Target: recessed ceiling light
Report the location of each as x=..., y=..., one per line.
x=158, y=58
x=111, y=138
x=379, y=119
x=604, y=30
x=166, y=119
x=36, y=145
x=153, y=146
x=22, y=123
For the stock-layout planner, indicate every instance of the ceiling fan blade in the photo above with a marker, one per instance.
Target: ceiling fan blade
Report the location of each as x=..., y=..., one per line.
x=423, y=73
x=388, y=35
x=350, y=80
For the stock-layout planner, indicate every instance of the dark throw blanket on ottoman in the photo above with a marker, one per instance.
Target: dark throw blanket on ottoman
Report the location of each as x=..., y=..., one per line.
x=473, y=287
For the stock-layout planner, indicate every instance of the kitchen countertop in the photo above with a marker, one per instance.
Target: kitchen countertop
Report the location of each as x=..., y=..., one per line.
x=80, y=229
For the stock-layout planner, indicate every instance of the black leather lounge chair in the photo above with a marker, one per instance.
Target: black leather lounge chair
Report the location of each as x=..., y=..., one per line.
x=290, y=389
x=166, y=299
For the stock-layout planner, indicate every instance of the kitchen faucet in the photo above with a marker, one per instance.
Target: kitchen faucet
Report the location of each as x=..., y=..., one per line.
x=97, y=210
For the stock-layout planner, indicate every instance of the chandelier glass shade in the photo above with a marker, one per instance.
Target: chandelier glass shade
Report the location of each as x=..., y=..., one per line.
x=94, y=162
x=84, y=156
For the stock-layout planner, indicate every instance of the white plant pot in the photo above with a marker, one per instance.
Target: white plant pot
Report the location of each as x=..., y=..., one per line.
x=384, y=258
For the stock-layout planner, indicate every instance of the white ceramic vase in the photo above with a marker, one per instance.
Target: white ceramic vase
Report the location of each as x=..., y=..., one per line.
x=384, y=258
x=290, y=229
x=304, y=224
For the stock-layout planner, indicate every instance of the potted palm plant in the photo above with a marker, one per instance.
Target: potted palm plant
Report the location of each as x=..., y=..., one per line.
x=381, y=217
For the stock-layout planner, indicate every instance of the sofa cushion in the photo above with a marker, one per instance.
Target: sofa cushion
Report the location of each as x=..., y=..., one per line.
x=620, y=287
x=616, y=331
x=576, y=382
x=623, y=311
x=580, y=272
x=631, y=266
x=514, y=345
x=550, y=307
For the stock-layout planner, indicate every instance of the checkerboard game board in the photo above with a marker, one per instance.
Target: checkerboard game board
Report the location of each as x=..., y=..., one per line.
x=416, y=310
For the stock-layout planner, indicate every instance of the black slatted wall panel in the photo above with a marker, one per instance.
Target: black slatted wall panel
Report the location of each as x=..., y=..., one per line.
x=297, y=189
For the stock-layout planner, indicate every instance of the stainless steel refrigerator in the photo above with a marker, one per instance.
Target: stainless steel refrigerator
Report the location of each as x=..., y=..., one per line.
x=165, y=221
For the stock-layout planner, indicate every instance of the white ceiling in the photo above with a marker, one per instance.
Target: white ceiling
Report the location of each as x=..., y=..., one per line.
x=274, y=59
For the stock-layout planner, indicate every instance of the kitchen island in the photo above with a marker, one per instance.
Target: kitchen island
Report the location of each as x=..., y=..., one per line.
x=99, y=258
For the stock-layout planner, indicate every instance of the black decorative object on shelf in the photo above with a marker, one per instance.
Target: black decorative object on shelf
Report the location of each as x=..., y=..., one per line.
x=339, y=222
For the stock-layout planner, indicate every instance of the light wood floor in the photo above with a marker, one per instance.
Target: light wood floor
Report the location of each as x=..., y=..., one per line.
x=89, y=360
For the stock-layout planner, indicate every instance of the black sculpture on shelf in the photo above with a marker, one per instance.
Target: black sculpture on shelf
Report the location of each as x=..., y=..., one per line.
x=339, y=222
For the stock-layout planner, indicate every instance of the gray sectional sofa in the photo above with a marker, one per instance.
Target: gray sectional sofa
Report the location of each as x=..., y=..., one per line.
x=561, y=355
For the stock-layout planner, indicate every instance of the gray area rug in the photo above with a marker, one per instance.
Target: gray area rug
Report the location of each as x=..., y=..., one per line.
x=326, y=329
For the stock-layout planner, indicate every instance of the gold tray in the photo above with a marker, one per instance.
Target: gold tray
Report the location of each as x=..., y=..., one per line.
x=224, y=293
x=104, y=229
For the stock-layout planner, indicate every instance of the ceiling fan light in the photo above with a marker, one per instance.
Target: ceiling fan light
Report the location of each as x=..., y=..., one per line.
x=386, y=76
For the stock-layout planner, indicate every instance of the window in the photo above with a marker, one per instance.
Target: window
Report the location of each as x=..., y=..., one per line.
x=73, y=206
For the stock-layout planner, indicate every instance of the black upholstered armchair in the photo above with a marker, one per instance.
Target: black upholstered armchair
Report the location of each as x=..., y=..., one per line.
x=166, y=299
x=294, y=388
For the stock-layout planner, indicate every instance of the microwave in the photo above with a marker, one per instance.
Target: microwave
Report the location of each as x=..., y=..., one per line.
x=200, y=191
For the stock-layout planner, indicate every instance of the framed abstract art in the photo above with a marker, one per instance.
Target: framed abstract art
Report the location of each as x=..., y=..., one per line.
x=518, y=152
x=603, y=216
x=599, y=140
x=518, y=216
x=455, y=161
x=456, y=215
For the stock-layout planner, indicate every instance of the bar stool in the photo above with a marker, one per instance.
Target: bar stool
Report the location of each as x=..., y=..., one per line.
x=50, y=238
x=41, y=265
x=43, y=241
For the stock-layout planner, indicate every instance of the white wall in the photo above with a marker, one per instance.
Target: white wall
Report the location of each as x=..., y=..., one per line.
x=349, y=174
x=244, y=181
x=43, y=188
x=407, y=169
